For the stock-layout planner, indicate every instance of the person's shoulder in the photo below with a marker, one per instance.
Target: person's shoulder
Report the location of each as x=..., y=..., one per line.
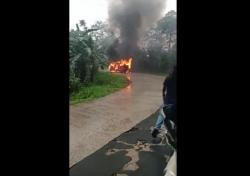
x=165, y=80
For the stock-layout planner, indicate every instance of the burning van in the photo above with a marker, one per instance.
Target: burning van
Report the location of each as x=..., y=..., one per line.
x=121, y=66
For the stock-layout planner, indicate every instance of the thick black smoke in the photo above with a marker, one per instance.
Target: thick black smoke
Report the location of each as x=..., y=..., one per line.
x=130, y=18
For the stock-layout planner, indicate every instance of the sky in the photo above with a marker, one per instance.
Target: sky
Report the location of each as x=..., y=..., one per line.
x=94, y=10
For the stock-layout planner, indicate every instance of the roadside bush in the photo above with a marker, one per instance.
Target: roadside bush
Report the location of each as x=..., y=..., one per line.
x=74, y=84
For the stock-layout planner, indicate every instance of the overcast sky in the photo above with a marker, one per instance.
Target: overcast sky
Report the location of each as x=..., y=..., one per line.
x=94, y=10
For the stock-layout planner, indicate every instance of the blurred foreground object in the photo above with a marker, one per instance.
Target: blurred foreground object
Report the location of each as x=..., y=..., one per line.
x=170, y=169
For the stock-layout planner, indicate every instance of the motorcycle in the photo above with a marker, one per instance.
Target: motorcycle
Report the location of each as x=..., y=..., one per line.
x=169, y=114
x=168, y=132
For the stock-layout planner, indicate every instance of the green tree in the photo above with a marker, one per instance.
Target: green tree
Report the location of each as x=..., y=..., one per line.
x=103, y=38
x=159, y=43
x=84, y=55
x=167, y=25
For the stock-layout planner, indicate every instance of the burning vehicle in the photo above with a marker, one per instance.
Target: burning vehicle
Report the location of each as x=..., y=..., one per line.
x=121, y=66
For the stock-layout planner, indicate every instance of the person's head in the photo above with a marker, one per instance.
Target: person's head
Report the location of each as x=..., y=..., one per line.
x=173, y=71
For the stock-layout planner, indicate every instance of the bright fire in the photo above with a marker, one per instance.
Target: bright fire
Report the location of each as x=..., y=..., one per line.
x=123, y=66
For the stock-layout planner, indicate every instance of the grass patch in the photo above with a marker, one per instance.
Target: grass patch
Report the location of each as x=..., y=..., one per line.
x=104, y=84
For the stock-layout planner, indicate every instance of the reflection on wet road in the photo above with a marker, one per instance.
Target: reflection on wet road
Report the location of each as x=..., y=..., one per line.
x=94, y=124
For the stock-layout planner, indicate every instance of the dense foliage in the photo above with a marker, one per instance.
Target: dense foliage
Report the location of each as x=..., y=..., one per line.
x=159, y=45
x=89, y=48
x=85, y=56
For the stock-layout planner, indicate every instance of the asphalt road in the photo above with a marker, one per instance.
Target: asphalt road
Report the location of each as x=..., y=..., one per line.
x=133, y=153
x=94, y=124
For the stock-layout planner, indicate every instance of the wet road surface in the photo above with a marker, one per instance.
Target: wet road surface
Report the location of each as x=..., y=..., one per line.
x=131, y=154
x=94, y=124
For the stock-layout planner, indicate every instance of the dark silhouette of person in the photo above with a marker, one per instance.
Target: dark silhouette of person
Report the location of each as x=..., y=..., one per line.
x=169, y=107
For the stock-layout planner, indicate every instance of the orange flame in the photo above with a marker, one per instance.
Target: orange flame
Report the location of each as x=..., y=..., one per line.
x=123, y=65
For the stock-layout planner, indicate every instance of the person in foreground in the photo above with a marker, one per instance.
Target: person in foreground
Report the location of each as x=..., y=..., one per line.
x=167, y=114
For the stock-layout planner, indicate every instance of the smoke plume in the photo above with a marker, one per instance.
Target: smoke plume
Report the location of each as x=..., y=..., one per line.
x=130, y=18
